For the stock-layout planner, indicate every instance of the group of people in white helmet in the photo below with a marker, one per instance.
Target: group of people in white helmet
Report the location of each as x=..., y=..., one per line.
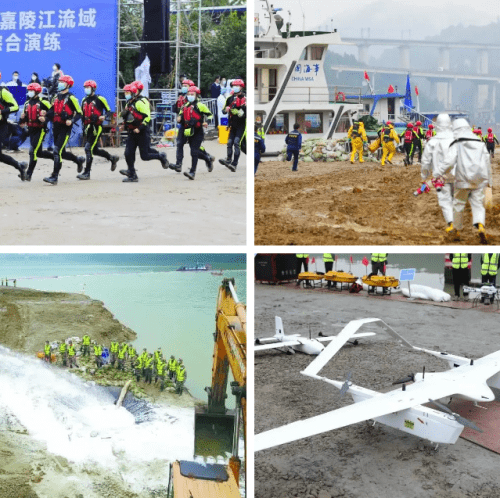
x=65, y=110
x=459, y=163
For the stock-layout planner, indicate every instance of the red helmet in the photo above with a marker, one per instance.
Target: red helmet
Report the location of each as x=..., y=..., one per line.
x=388, y=123
x=91, y=84
x=188, y=82
x=490, y=130
x=418, y=123
x=139, y=85
x=194, y=89
x=238, y=82
x=68, y=80
x=409, y=125
x=431, y=126
x=35, y=86
x=130, y=88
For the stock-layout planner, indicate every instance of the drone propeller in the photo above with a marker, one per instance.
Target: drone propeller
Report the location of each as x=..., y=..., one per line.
x=345, y=385
x=404, y=380
x=456, y=416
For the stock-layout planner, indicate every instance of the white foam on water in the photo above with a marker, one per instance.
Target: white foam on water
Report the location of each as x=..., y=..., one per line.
x=80, y=422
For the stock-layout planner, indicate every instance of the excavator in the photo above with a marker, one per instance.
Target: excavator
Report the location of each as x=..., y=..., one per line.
x=218, y=428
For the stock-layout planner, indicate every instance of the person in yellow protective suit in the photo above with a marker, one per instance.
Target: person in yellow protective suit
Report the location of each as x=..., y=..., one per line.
x=388, y=136
x=357, y=134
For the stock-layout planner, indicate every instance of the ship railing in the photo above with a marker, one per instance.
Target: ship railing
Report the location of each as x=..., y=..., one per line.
x=268, y=53
x=310, y=95
x=408, y=114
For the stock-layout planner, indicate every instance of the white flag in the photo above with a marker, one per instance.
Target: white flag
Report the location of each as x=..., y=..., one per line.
x=142, y=74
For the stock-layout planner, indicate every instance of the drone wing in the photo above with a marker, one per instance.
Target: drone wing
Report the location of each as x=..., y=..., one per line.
x=276, y=345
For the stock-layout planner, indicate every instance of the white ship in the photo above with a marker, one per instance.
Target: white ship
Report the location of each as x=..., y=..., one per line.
x=196, y=267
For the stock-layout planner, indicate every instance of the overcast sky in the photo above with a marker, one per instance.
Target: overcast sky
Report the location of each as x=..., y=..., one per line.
x=386, y=18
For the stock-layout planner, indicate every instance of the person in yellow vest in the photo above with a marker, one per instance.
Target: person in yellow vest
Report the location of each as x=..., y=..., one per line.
x=489, y=268
x=72, y=355
x=86, y=345
x=148, y=369
x=379, y=261
x=387, y=137
x=114, y=352
x=63, y=351
x=181, y=377
x=328, y=259
x=98, y=355
x=132, y=353
x=139, y=367
x=144, y=356
x=357, y=134
x=122, y=353
x=158, y=354
x=460, y=271
x=172, y=368
x=47, y=351
x=160, y=373
x=302, y=259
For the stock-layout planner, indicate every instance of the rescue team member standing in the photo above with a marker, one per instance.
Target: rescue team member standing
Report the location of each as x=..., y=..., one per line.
x=47, y=351
x=489, y=268
x=387, y=137
x=98, y=355
x=460, y=271
x=357, y=134
x=293, y=145
x=328, y=260
x=490, y=139
x=8, y=104
x=72, y=355
x=259, y=147
x=95, y=108
x=192, y=117
x=137, y=116
x=114, y=352
x=181, y=377
x=64, y=113
x=63, y=351
x=172, y=367
x=236, y=108
x=379, y=261
x=86, y=345
x=301, y=260
x=34, y=112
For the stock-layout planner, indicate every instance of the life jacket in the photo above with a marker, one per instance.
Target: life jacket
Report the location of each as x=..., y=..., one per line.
x=138, y=116
x=408, y=136
x=62, y=347
x=379, y=257
x=71, y=350
x=97, y=350
x=47, y=349
x=86, y=340
x=160, y=367
x=489, y=266
x=147, y=362
x=122, y=352
x=114, y=347
x=61, y=106
x=131, y=352
x=90, y=111
x=139, y=363
x=181, y=372
x=192, y=116
x=32, y=112
x=387, y=134
x=490, y=138
x=428, y=135
x=460, y=260
x=417, y=133
x=327, y=258
x=172, y=365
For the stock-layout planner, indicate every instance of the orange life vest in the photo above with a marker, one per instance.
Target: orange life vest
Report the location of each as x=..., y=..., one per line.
x=408, y=136
x=491, y=138
x=32, y=112
x=138, y=116
x=60, y=106
x=189, y=113
x=90, y=110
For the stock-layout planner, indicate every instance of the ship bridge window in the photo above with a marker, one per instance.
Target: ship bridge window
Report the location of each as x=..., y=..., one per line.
x=316, y=53
x=310, y=122
x=279, y=124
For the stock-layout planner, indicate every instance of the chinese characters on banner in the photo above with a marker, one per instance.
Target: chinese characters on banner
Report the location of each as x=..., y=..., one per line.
x=22, y=39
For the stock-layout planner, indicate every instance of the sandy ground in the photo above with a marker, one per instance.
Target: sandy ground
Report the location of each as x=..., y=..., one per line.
x=340, y=203
x=361, y=460
x=164, y=207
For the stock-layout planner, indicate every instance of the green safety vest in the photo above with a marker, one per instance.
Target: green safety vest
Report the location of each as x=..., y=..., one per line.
x=302, y=255
x=172, y=365
x=144, y=356
x=114, y=347
x=139, y=363
x=160, y=367
x=122, y=352
x=157, y=356
x=490, y=266
x=97, y=351
x=62, y=347
x=181, y=373
x=379, y=257
x=327, y=258
x=460, y=260
x=86, y=340
x=47, y=349
x=71, y=350
x=131, y=352
x=147, y=362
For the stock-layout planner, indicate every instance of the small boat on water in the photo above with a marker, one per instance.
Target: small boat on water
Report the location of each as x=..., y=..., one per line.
x=218, y=273
x=196, y=267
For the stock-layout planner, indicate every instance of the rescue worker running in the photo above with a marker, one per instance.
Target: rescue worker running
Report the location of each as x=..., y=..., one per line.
x=64, y=113
x=137, y=117
x=95, y=109
x=407, y=137
x=192, y=117
x=357, y=134
x=418, y=136
x=34, y=112
x=236, y=108
x=490, y=139
x=387, y=138
x=8, y=104
x=430, y=132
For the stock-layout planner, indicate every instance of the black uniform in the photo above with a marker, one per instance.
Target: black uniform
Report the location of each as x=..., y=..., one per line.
x=237, y=126
x=418, y=136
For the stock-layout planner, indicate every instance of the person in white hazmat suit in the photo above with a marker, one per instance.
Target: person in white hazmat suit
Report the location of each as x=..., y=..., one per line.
x=434, y=153
x=472, y=164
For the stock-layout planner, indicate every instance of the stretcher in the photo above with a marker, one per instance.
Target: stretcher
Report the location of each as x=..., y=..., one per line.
x=340, y=277
x=386, y=282
x=310, y=279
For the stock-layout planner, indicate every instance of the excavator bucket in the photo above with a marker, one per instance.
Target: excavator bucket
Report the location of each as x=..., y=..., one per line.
x=213, y=432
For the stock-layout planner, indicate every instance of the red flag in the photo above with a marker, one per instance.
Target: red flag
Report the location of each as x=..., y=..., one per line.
x=366, y=76
x=350, y=258
x=416, y=89
x=390, y=89
x=336, y=257
x=365, y=261
x=385, y=268
x=313, y=260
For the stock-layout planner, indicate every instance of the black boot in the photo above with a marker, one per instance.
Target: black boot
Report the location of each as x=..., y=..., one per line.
x=210, y=163
x=189, y=174
x=22, y=170
x=51, y=179
x=225, y=162
x=231, y=166
x=84, y=176
x=131, y=179
x=164, y=160
x=80, y=160
x=114, y=161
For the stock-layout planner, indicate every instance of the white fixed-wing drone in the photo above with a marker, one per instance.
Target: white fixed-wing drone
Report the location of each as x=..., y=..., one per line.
x=402, y=408
x=296, y=342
